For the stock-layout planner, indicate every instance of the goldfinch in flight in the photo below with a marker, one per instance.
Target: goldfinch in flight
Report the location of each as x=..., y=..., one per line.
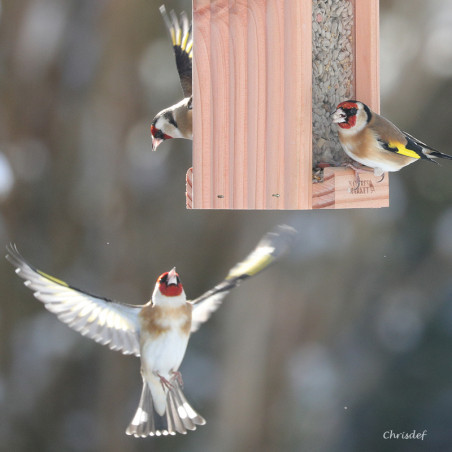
x=176, y=121
x=157, y=331
x=376, y=142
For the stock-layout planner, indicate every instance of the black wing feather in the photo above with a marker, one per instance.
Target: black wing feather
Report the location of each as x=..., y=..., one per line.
x=181, y=37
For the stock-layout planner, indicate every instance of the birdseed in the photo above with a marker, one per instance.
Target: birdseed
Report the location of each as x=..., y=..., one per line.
x=332, y=76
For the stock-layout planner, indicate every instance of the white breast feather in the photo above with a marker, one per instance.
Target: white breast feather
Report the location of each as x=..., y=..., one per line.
x=164, y=353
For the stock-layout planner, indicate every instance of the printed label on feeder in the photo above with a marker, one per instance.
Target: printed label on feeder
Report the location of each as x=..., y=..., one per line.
x=363, y=187
x=348, y=193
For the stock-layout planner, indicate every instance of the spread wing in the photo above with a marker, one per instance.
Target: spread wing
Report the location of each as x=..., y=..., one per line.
x=106, y=321
x=270, y=248
x=181, y=37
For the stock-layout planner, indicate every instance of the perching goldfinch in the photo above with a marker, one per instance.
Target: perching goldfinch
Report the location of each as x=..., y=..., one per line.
x=157, y=331
x=176, y=121
x=376, y=142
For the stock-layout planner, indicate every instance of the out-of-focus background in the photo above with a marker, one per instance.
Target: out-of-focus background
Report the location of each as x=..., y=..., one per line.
x=348, y=337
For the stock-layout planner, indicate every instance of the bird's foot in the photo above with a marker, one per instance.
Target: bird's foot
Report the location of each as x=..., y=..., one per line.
x=379, y=172
x=166, y=384
x=357, y=170
x=176, y=375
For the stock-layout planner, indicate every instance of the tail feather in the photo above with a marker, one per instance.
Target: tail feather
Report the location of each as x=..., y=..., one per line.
x=437, y=154
x=178, y=412
x=179, y=418
x=174, y=420
x=189, y=416
x=171, y=420
x=427, y=151
x=143, y=423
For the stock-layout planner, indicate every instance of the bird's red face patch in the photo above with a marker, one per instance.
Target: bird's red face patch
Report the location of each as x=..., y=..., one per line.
x=169, y=284
x=350, y=110
x=347, y=105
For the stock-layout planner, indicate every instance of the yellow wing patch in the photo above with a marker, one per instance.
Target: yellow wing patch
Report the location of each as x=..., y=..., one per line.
x=256, y=262
x=401, y=149
x=52, y=278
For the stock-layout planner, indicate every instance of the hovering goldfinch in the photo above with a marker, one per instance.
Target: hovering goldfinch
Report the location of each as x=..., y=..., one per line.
x=157, y=331
x=176, y=121
x=376, y=142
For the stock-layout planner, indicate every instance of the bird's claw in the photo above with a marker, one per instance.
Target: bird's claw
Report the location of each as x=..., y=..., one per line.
x=169, y=384
x=356, y=170
x=176, y=375
x=164, y=382
x=382, y=178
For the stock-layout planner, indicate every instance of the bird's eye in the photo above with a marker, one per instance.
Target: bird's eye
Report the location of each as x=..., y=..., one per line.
x=352, y=111
x=159, y=134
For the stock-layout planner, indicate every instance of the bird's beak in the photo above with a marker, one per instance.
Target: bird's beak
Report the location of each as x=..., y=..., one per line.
x=172, y=277
x=155, y=143
x=339, y=116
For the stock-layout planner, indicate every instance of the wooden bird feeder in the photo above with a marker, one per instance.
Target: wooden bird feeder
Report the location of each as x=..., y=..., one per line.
x=266, y=76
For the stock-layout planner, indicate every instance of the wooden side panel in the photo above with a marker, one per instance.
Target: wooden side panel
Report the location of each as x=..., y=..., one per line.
x=257, y=103
x=298, y=105
x=367, y=52
x=275, y=121
x=202, y=101
x=238, y=23
x=220, y=117
x=252, y=104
